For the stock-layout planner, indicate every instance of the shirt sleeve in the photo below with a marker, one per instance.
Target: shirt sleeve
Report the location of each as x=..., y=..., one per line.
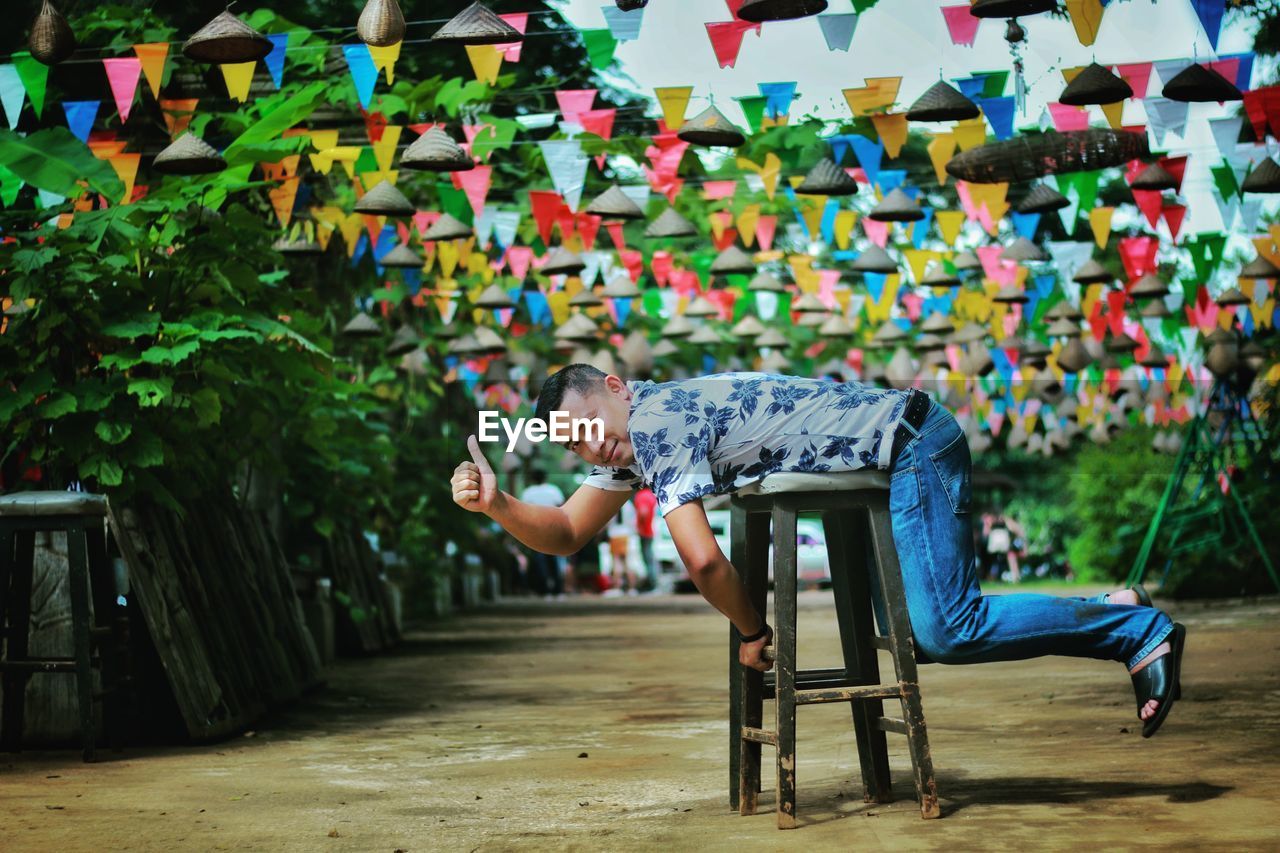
x=674, y=459
x=613, y=479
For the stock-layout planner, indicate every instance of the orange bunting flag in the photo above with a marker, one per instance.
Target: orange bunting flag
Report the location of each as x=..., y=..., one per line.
x=126, y=166
x=941, y=149
x=282, y=198
x=892, y=129
x=879, y=93
x=152, y=57
x=1086, y=17
x=178, y=114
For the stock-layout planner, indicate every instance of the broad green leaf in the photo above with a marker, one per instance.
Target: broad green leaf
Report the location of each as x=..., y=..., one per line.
x=105, y=471
x=136, y=327
x=280, y=115
x=112, y=433
x=170, y=355
x=57, y=404
x=151, y=392
x=208, y=406
x=122, y=360
x=145, y=450
x=274, y=328
x=34, y=258
x=93, y=394
x=54, y=160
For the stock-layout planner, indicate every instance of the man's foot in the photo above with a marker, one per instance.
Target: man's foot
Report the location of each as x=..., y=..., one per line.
x=1149, y=710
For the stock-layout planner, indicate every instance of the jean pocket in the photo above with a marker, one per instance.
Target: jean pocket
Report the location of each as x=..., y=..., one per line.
x=952, y=466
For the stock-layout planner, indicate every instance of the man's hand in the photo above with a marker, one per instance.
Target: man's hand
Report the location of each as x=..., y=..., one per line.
x=475, y=487
x=752, y=654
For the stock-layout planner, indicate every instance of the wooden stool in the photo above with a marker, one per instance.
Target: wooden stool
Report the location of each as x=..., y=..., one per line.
x=855, y=516
x=83, y=517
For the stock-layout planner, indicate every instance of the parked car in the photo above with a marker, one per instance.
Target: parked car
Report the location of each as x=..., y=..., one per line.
x=812, y=567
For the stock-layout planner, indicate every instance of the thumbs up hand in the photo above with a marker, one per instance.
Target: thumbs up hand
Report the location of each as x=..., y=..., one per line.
x=475, y=487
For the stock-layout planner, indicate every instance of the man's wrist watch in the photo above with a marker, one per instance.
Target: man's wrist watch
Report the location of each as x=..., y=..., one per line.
x=751, y=638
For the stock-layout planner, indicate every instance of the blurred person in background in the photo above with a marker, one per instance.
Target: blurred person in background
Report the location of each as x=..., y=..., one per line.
x=544, y=569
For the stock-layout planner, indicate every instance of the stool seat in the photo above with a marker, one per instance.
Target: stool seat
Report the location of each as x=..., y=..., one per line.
x=836, y=481
x=52, y=503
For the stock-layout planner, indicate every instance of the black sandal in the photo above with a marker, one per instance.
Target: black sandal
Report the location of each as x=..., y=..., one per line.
x=1160, y=680
x=1144, y=597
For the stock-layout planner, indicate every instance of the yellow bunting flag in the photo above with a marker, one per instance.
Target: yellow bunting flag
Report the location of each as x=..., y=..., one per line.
x=152, y=57
x=674, y=101
x=815, y=207
x=1086, y=17
x=448, y=257
x=802, y=271
x=384, y=59
x=941, y=149
x=324, y=233
x=321, y=141
x=746, y=223
x=879, y=311
x=949, y=224
x=892, y=128
x=1113, y=112
x=845, y=222
x=384, y=150
x=105, y=150
x=126, y=166
x=879, y=93
x=558, y=302
x=1266, y=245
x=1089, y=298
x=238, y=77
x=992, y=197
x=768, y=173
x=486, y=60
x=1100, y=222
x=970, y=133
x=918, y=260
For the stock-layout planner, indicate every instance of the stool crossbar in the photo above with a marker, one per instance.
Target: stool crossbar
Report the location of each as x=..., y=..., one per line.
x=856, y=521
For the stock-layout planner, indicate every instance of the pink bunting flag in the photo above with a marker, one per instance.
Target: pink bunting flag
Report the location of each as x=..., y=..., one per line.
x=1066, y=117
x=575, y=101
x=599, y=122
x=519, y=258
x=475, y=184
x=614, y=227
x=660, y=265
x=994, y=267
x=766, y=227
x=1137, y=75
x=726, y=40
x=519, y=21
x=123, y=74
x=962, y=26
x=716, y=190
x=633, y=262
x=877, y=231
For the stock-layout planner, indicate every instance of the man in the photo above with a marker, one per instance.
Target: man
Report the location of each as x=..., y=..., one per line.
x=544, y=568
x=711, y=435
x=646, y=506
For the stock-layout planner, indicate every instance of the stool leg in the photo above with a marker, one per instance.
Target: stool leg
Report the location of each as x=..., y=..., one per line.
x=106, y=615
x=846, y=533
x=19, y=610
x=751, y=683
x=80, y=628
x=737, y=556
x=902, y=644
x=784, y=605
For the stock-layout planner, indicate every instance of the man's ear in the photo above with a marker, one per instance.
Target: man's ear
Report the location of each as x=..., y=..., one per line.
x=617, y=386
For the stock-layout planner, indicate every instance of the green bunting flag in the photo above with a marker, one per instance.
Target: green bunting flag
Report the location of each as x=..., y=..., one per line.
x=753, y=109
x=600, y=46
x=1206, y=253
x=453, y=201
x=1225, y=180
x=35, y=78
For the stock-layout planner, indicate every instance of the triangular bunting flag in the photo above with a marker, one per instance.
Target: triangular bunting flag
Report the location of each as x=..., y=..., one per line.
x=239, y=77
x=12, y=94
x=35, y=79
x=152, y=57
x=838, y=30
x=275, y=59
x=363, y=73
x=80, y=117
x=123, y=74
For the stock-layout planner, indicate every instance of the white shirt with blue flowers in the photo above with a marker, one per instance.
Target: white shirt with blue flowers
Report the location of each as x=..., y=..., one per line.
x=716, y=434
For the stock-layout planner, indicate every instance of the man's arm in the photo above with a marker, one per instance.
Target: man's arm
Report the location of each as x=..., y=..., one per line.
x=559, y=530
x=716, y=578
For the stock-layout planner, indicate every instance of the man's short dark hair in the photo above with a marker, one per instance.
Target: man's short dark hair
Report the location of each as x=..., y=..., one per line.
x=582, y=378
x=537, y=476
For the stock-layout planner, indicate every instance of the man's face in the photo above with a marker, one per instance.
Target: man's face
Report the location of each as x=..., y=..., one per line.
x=612, y=405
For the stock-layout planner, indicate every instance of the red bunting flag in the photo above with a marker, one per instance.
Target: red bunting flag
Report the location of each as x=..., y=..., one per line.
x=1138, y=254
x=726, y=40
x=545, y=206
x=1137, y=75
x=1263, y=108
x=1173, y=216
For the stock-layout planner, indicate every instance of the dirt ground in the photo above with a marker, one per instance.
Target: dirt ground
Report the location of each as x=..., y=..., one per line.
x=601, y=725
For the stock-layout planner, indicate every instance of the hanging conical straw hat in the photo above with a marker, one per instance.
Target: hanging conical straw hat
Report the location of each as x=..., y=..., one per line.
x=701, y=306
x=759, y=11
x=977, y=360
x=809, y=319
x=937, y=324
x=1023, y=250
x=1062, y=328
x=586, y=298
x=1149, y=287
x=384, y=200
x=1155, y=308
x=464, y=345
x=835, y=326
x=489, y=340
x=578, y=327
x=381, y=24
x=1074, y=357
x=772, y=338
x=705, y=336
x=930, y=343
x=897, y=206
x=1260, y=267
x=620, y=287
x=1200, y=84
x=285, y=246
x=404, y=340
x=888, y=334
x=710, y=127
x=1264, y=179
x=874, y=259
x=1091, y=272
x=664, y=348
x=189, y=155
x=435, y=151
x=969, y=333
x=563, y=262
x=808, y=303
x=1155, y=357
x=967, y=260
x=1121, y=343
x=636, y=352
x=1043, y=199
x=1095, y=85
x=732, y=260
x=766, y=281
x=1231, y=296
x=1154, y=177
x=827, y=178
x=775, y=362
x=1010, y=294
x=477, y=25
x=227, y=40
x=942, y=102
x=677, y=327
x=1034, y=352
x=748, y=327
x=362, y=326
x=613, y=203
x=447, y=227
x=670, y=224
x=937, y=276
x=494, y=296
x=401, y=257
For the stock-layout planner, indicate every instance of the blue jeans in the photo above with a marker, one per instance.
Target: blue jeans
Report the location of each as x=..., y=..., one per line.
x=952, y=620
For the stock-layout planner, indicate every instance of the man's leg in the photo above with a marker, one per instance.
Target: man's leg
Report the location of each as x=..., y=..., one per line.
x=953, y=622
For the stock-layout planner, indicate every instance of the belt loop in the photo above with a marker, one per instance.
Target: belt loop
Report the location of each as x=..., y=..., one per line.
x=915, y=433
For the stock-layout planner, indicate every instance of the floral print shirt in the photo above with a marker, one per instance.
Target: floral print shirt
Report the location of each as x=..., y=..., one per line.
x=715, y=434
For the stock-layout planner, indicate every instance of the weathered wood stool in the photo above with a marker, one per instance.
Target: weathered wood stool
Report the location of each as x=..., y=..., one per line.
x=83, y=517
x=855, y=515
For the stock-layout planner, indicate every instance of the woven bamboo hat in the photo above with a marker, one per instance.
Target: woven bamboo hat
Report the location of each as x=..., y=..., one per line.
x=563, y=262
x=1149, y=287
x=966, y=260
x=586, y=298
x=937, y=276
x=579, y=327
x=808, y=303
x=733, y=260
x=286, y=246
x=189, y=155
x=1154, y=177
x=448, y=227
x=1260, y=267
x=897, y=206
x=51, y=38
x=705, y=336
x=621, y=287
x=710, y=127
x=835, y=326
x=809, y=319
x=1155, y=357
x=464, y=345
x=766, y=281
x=226, y=40
x=1075, y=356
x=1155, y=308
x=381, y=23
x=701, y=306
x=1121, y=343
x=1263, y=179
x=1023, y=250
x=490, y=341
x=494, y=296
x=1091, y=272
x=1096, y=84
x=404, y=340
x=670, y=224
x=758, y=11
x=888, y=334
x=477, y=25
x=1030, y=155
x=384, y=200
x=937, y=324
x=1200, y=84
x=748, y=327
x=969, y=333
x=1010, y=8
x=771, y=337
x=402, y=257
x=362, y=326
x=1230, y=297
x=1010, y=294
x=942, y=102
x=1042, y=199
x=664, y=348
x=1034, y=352
x=435, y=151
x=826, y=178
x=874, y=259
x=1062, y=328
x=636, y=353
x=613, y=203
x=929, y=342
x=677, y=327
